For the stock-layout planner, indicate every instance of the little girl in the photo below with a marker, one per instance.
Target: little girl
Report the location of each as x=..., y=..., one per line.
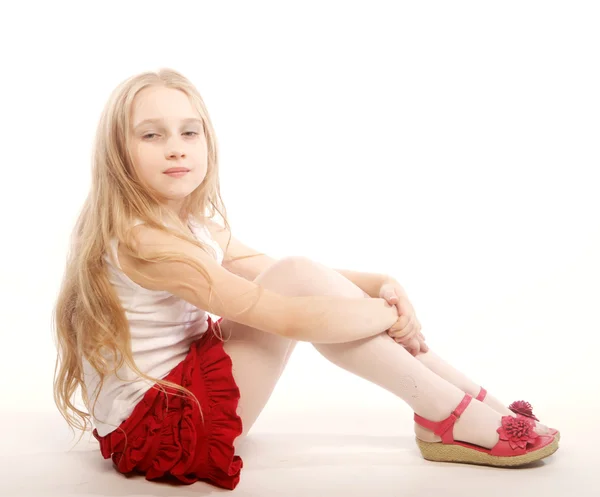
x=167, y=388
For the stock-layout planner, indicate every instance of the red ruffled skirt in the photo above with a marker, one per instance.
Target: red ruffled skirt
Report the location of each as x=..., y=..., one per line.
x=172, y=441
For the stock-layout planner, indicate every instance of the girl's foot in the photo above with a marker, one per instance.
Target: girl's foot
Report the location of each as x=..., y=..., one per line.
x=477, y=425
x=475, y=433
x=440, y=367
x=496, y=405
x=489, y=416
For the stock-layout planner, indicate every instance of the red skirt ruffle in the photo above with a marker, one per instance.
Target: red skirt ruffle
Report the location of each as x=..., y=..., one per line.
x=173, y=442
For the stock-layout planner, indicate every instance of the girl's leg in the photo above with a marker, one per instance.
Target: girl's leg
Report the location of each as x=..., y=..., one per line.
x=258, y=360
x=440, y=367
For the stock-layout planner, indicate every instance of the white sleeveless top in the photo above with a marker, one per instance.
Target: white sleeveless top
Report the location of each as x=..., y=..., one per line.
x=162, y=328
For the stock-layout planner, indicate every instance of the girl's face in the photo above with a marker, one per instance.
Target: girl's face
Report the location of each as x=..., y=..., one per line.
x=168, y=144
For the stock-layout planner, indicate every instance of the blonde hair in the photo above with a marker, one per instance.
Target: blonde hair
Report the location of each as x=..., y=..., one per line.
x=88, y=318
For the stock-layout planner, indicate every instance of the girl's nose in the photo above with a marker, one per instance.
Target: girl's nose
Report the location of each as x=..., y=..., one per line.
x=174, y=150
x=174, y=154
x=174, y=147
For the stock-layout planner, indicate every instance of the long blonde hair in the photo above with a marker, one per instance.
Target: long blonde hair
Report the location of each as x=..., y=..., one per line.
x=89, y=320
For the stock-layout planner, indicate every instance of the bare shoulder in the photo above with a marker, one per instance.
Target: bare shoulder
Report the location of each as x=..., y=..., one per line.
x=149, y=240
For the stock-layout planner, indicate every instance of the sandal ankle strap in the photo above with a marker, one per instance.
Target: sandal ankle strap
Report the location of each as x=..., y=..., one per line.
x=482, y=394
x=443, y=428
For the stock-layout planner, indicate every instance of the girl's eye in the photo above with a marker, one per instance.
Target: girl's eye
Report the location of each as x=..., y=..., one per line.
x=148, y=136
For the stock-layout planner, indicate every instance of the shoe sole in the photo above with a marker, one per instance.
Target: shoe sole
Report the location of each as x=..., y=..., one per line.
x=439, y=452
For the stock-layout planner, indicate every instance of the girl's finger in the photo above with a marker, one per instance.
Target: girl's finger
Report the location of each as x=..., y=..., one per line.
x=405, y=345
x=411, y=324
x=414, y=347
x=404, y=334
x=402, y=337
x=392, y=300
x=407, y=306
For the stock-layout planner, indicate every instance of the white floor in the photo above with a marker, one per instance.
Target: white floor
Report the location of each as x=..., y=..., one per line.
x=356, y=462
x=352, y=439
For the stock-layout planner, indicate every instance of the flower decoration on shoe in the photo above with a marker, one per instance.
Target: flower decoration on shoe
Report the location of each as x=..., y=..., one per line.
x=523, y=408
x=518, y=432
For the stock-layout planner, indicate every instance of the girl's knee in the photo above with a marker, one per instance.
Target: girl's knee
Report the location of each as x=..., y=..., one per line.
x=292, y=264
x=287, y=276
x=302, y=276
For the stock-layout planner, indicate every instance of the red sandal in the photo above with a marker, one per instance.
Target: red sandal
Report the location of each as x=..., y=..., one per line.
x=519, y=444
x=521, y=409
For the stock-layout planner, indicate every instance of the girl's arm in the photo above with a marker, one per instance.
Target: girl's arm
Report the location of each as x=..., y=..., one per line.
x=317, y=319
x=370, y=283
x=246, y=267
x=250, y=268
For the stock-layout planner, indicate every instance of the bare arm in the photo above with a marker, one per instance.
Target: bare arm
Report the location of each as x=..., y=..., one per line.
x=370, y=283
x=317, y=319
x=325, y=319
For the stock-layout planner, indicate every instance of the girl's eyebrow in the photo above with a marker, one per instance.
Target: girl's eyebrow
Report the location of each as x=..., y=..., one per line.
x=185, y=121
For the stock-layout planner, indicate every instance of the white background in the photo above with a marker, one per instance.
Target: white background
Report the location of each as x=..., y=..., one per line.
x=453, y=145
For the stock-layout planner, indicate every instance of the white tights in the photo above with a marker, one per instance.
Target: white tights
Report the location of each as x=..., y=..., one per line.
x=259, y=359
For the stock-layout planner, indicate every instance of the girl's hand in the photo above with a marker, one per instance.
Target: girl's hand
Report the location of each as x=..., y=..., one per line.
x=407, y=330
x=403, y=332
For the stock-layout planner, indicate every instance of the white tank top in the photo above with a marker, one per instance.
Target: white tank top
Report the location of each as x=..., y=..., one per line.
x=162, y=328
